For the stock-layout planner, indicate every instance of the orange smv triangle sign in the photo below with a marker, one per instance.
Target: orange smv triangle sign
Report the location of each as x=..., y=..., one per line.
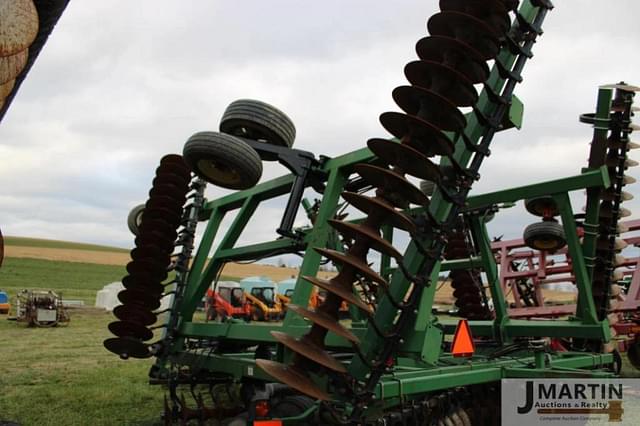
x=462, y=341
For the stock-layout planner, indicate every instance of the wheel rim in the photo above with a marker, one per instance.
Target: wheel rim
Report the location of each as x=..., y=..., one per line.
x=546, y=243
x=219, y=173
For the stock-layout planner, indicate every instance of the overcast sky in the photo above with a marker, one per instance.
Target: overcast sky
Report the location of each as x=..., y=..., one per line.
x=121, y=83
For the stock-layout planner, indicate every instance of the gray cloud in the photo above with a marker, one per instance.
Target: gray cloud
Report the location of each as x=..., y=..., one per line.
x=120, y=84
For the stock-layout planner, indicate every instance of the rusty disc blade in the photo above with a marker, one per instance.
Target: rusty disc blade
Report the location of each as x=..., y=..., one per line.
x=292, y=377
x=138, y=296
x=494, y=13
x=430, y=107
x=157, y=227
x=344, y=293
x=162, y=238
x=309, y=350
x=459, y=292
x=127, y=347
x=417, y=133
x=165, y=203
x=150, y=251
x=147, y=269
x=175, y=162
x=469, y=299
x=171, y=178
x=135, y=314
x=374, y=241
x=351, y=261
x=130, y=329
x=461, y=276
x=374, y=206
x=171, y=191
x=457, y=253
x=152, y=288
x=455, y=54
x=326, y=321
x=407, y=159
x=172, y=217
x=157, y=239
x=456, y=243
x=391, y=183
x=442, y=79
x=468, y=29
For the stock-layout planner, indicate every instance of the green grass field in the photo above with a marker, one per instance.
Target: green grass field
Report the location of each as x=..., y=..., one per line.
x=73, y=280
x=64, y=376
x=37, y=242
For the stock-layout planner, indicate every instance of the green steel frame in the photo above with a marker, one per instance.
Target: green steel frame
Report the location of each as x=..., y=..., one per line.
x=421, y=365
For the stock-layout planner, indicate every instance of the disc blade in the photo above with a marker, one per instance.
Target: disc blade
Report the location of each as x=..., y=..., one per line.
x=429, y=106
x=468, y=29
x=130, y=329
x=419, y=134
x=494, y=13
x=406, y=158
x=392, y=184
x=326, y=321
x=347, y=260
x=127, y=347
x=442, y=79
x=374, y=206
x=374, y=241
x=455, y=54
x=309, y=350
x=140, y=297
x=338, y=290
x=135, y=314
x=292, y=377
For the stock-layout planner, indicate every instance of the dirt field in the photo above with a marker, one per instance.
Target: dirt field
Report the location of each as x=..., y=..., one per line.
x=114, y=258
x=443, y=296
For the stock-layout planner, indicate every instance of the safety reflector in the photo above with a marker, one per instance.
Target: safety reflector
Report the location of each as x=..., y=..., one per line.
x=267, y=423
x=462, y=341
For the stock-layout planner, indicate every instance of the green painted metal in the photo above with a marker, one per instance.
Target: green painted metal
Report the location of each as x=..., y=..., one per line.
x=440, y=209
x=422, y=365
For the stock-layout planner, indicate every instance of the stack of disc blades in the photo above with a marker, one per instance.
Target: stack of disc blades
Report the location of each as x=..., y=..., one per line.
x=150, y=260
x=463, y=36
x=466, y=284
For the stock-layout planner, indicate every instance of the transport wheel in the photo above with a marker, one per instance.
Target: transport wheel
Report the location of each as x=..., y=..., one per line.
x=259, y=121
x=223, y=160
x=135, y=219
x=427, y=187
x=542, y=206
x=633, y=353
x=291, y=406
x=547, y=236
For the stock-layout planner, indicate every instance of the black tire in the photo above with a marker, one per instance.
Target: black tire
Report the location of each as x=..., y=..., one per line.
x=223, y=160
x=545, y=236
x=541, y=206
x=134, y=220
x=258, y=121
x=291, y=406
x=427, y=187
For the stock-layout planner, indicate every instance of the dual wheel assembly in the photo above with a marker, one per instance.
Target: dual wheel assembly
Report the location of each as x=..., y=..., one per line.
x=547, y=235
x=224, y=158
